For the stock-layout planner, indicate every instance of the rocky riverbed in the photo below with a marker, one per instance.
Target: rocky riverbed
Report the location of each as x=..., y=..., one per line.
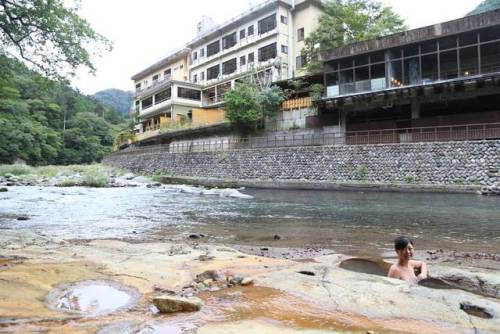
x=109, y=286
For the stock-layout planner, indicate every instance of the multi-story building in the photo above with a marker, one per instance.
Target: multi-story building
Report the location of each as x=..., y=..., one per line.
x=265, y=41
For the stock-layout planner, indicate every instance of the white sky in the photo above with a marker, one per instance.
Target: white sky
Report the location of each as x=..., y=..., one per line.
x=143, y=32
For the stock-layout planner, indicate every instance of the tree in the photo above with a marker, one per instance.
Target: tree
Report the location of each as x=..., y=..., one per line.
x=348, y=21
x=51, y=38
x=485, y=6
x=247, y=104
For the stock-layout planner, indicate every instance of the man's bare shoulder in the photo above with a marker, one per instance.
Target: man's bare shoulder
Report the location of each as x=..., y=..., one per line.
x=394, y=271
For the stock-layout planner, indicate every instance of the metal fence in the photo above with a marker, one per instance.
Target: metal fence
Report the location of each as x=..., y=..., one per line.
x=387, y=136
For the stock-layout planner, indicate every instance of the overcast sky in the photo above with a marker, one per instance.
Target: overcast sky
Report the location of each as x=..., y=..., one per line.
x=145, y=31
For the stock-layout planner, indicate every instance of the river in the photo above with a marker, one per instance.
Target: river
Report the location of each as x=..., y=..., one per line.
x=358, y=223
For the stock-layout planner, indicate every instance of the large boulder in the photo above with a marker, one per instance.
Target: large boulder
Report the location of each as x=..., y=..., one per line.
x=173, y=304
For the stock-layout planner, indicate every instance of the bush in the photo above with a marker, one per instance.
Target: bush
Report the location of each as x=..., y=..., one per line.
x=15, y=170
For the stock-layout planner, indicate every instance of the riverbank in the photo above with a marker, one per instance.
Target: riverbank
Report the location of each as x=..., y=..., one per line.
x=321, y=293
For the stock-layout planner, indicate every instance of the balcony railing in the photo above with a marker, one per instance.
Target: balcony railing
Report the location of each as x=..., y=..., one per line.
x=155, y=83
x=467, y=132
x=213, y=100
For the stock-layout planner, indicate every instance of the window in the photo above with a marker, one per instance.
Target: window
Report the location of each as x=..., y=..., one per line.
x=299, y=63
x=284, y=49
x=213, y=48
x=267, y=52
x=202, y=52
x=243, y=60
x=300, y=35
x=242, y=33
x=213, y=72
x=138, y=86
x=195, y=55
x=284, y=19
x=181, y=67
x=250, y=58
x=147, y=102
x=229, y=41
x=155, y=78
x=229, y=66
x=195, y=78
x=250, y=30
x=188, y=93
x=267, y=24
x=163, y=95
x=167, y=73
x=202, y=76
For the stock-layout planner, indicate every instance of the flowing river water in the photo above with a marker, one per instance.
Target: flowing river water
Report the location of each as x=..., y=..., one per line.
x=354, y=223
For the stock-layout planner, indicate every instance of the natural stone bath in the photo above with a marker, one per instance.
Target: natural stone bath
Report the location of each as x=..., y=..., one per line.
x=135, y=243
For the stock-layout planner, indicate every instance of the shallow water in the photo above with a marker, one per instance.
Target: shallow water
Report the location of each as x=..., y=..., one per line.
x=348, y=222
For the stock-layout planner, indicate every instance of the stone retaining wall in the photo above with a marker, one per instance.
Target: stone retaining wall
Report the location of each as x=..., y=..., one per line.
x=450, y=163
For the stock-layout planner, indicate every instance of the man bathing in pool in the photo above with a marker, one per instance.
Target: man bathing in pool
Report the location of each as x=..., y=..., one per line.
x=407, y=269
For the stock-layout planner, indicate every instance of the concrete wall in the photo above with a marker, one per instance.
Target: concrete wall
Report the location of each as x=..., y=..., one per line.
x=450, y=163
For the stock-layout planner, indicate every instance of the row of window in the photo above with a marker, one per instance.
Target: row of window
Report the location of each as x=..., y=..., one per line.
x=265, y=25
x=265, y=53
x=164, y=95
x=167, y=74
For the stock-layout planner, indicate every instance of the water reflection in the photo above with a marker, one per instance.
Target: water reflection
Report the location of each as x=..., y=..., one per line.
x=352, y=222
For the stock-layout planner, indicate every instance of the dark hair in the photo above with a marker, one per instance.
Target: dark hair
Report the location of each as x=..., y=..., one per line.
x=402, y=242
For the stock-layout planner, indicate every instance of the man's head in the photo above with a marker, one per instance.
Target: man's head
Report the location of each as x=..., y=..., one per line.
x=404, y=248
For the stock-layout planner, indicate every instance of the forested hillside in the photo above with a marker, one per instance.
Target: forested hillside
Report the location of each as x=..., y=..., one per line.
x=47, y=122
x=486, y=6
x=119, y=99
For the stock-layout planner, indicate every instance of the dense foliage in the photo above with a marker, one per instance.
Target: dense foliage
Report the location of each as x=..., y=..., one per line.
x=486, y=6
x=47, y=122
x=49, y=36
x=247, y=104
x=347, y=21
x=118, y=99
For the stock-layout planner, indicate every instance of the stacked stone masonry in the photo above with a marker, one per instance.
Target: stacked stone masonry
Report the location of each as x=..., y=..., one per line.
x=453, y=163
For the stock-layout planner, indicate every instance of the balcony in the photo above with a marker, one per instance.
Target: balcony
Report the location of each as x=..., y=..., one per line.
x=155, y=84
x=155, y=108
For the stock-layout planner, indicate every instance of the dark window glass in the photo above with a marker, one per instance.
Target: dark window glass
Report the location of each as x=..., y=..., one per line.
x=412, y=71
x=284, y=49
x=448, y=43
x=362, y=76
x=377, y=57
x=469, y=61
x=202, y=76
x=299, y=62
x=467, y=38
x=250, y=58
x=243, y=60
x=229, y=41
x=267, y=52
x=394, y=54
x=138, y=86
x=427, y=47
x=490, y=34
x=411, y=50
x=267, y=24
x=202, y=52
x=300, y=35
x=490, y=57
x=430, y=68
x=213, y=72
x=396, y=73
x=167, y=73
x=449, y=65
x=147, y=102
x=163, y=95
x=242, y=34
x=229, y=66
x=346, y=82
x=213, y=48
x=284, y=19
x=361, y=60
x=346, y=63
x=378, y=79
x=195, y=78
x=188, y=93
x=195, y=55
x=155, y=77
x=250, y=30
x=332, y=79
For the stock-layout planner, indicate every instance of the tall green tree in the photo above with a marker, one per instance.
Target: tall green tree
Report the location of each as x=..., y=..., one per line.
x=248, y=104
x=348, y=21
x=486, y=6
x=52, y=38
